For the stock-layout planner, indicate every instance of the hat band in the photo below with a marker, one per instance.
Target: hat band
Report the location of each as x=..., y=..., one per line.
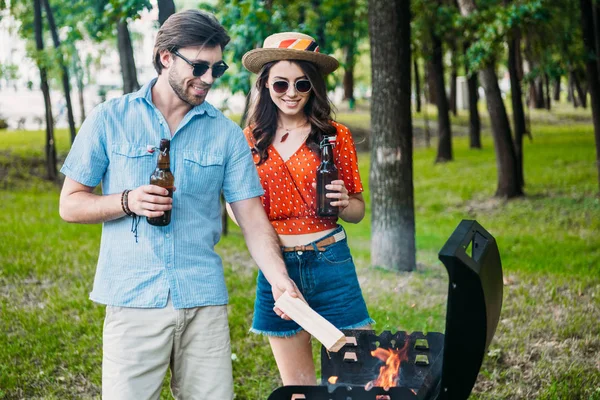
x=299, y=44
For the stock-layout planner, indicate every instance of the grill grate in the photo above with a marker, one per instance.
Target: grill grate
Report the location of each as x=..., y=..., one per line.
x=422, y=352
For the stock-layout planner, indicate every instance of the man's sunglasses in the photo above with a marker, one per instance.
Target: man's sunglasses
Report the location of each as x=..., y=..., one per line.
x=301, y=85
x=199, y=69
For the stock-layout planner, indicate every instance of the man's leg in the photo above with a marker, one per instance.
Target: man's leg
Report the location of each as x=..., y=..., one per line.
x=137, y=344
x=201, y=360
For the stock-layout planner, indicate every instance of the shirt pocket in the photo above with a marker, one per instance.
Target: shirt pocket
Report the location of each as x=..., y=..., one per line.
x=202, y=173
x=131, y=165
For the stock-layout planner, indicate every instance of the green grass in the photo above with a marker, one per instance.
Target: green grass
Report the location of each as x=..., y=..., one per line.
x=546, y=345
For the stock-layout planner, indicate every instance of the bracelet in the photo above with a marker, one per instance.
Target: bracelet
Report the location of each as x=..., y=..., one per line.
x=124, y=203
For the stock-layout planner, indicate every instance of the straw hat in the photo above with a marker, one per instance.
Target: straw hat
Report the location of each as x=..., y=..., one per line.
x=288, y=46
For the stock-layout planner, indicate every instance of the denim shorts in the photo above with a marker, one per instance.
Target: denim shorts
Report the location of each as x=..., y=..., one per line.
x=328, y=282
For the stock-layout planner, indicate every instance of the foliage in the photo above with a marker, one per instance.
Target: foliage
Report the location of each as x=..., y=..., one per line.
x=9, y=72
x=80, y=20
x=105, y=14
x=487, y=29
x=249, y=22
x=556, y=43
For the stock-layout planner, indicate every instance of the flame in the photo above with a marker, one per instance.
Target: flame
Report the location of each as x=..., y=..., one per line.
x=388, y=373
x=332, y=379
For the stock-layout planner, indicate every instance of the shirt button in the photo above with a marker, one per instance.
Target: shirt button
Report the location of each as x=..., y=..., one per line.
x=168, y=235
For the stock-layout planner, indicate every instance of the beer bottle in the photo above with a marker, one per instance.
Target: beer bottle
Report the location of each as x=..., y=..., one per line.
x=163, y=177
x=326, y=173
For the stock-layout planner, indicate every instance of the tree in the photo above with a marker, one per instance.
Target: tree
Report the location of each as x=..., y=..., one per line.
x=591, y=65
x=108, y=16
x=39, y=42
x=444, y=151
x=433, y=23
x=391, y=177
x=166, y=8
x=130, y=82
x=514, y=71
x=65, y=72
x=506, y=159
x=474, y=120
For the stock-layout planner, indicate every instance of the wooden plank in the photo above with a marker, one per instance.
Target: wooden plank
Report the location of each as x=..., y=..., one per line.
x=332, y=338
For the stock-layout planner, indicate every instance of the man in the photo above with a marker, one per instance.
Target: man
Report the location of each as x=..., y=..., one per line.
x=164, y=286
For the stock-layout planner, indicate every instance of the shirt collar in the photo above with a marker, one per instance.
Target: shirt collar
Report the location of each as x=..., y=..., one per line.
x=146, y=93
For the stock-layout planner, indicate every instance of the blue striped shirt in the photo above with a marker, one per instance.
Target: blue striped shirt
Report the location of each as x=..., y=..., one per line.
x=209, y=154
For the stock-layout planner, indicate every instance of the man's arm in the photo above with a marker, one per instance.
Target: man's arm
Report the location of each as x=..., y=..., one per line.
x=79, y=204
x=263, y=244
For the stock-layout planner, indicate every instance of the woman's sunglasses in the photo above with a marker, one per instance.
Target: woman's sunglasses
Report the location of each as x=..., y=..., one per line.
x=199, y=69
x=301, y=85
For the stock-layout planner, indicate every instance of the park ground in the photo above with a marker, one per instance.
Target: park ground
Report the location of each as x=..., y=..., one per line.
x=547, y=345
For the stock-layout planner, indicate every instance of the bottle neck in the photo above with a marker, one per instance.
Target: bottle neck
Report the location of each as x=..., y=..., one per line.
x=326, y=155
x=164, y=161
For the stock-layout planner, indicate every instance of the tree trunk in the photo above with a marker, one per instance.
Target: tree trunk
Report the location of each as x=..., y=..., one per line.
x=557, y=89
x=538, y=93
x=591, y=66
x=224, y=217
x=506, y=159
x=547, y=101
x=130, y=83
x=571, y=91
x=246, y=110
x=391, y=177
x=39, y=44
x=453, y=76
x=349, y=78
x=65, y=72
x=514, y=47
x=596, y=14
x=80, y=89
x=350, y=52
x=580, y=92
x=166, y=8
x=429, y=77
x=474, y=120
x=417, y=85
x=444, y=152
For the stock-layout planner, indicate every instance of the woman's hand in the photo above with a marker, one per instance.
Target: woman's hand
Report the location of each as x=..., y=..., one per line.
x=351, y=205
x=339, y=192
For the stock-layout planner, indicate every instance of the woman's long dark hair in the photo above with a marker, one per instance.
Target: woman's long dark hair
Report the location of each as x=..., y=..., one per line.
x=263, y=112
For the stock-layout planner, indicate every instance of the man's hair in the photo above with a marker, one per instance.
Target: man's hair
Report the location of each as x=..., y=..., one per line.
x=188, y=28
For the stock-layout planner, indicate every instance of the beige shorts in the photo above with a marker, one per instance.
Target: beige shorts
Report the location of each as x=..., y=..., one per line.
x=140, y=343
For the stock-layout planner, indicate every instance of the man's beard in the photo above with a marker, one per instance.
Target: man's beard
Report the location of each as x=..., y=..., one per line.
x=180, y=91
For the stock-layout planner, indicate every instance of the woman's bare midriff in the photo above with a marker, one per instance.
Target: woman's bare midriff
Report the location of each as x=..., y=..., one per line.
x=299, y=240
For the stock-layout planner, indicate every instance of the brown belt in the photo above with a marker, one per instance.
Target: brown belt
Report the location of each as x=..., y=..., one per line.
x=321, y=244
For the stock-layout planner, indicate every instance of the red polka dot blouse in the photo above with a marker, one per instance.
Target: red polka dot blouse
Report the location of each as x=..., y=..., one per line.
x=290, y=199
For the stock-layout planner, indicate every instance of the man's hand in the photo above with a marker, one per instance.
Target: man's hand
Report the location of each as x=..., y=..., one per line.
x=150, y=201
x=281, y=285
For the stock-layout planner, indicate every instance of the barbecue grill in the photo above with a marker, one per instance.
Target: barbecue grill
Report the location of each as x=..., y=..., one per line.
x=434, y=366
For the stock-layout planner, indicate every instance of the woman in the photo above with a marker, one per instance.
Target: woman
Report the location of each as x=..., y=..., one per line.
x=290, y=116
